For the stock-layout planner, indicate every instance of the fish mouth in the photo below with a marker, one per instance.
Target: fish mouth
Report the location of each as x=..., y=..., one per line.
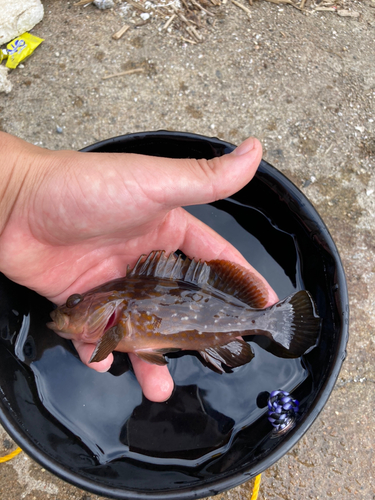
x=59, y=321
x=56, y=328
x=52, y=325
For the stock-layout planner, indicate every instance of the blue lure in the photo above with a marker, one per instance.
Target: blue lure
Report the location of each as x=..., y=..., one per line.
x=282, y=409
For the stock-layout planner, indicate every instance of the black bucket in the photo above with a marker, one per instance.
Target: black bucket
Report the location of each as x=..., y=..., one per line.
x=97, y=432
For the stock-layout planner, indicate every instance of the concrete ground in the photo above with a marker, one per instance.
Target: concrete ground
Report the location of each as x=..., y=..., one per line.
x=304, y=84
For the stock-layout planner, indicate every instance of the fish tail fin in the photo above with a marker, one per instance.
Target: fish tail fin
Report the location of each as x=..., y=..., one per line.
x=293, y=324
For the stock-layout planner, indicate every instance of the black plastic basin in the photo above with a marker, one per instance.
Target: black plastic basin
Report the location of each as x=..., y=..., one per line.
x=97, y=432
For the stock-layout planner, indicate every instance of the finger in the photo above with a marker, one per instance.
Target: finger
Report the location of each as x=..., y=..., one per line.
x=190, y=181
x=166, y=183
x=156, y=381
x=85, y=352
x=200, y=241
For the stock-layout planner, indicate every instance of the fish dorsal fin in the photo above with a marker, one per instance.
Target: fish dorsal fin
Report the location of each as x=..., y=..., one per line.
x=158, y=265
x=174, y=267
x=221, y=275
x=238, y=282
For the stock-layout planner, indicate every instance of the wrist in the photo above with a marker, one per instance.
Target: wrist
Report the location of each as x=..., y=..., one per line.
x=16, y=158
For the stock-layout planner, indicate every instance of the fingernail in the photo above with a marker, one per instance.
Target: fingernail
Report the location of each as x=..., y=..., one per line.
x=245, y=147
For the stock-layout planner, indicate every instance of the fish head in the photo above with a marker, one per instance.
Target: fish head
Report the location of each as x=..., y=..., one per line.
x=86, y=317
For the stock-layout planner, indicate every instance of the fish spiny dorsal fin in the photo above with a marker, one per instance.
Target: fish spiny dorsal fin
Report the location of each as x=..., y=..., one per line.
x=158, y=265
x=239, y=282
x=197, y=272
x=135, y=270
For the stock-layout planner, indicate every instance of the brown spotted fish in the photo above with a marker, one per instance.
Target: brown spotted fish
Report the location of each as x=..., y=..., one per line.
x=168, y=304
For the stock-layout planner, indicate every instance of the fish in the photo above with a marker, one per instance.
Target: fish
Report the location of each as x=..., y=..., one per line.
x=170, y=303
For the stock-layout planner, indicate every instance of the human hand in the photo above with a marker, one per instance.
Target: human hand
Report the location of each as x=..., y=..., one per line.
x=72, y=221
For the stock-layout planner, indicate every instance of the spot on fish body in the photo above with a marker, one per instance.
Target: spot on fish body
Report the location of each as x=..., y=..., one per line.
x=197, y=297
x=194, y=307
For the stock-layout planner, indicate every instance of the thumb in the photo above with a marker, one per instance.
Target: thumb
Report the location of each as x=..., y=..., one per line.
x=175, y=183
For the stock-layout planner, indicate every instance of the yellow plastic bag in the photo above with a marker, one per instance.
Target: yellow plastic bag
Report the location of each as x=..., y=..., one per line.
x=21, y=48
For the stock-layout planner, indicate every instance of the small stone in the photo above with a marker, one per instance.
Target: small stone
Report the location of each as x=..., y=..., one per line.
x=59, y=130
x=104, y=4
x=5, y=85
x=7, y=443
x=347, y=13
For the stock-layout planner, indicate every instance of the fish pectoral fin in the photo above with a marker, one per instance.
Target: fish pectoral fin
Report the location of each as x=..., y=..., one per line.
x=106, y=344
x=235, y=353
x=155, y=357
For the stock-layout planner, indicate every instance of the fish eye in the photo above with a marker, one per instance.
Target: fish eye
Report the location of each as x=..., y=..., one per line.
x=73, y=300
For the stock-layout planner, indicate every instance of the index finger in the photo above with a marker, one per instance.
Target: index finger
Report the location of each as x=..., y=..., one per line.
x=200, y=241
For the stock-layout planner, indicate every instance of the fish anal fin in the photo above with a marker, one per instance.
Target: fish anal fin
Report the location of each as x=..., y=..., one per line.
x=212, y=362
x=239, y=282
x=235, y=353
x=106, y=344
